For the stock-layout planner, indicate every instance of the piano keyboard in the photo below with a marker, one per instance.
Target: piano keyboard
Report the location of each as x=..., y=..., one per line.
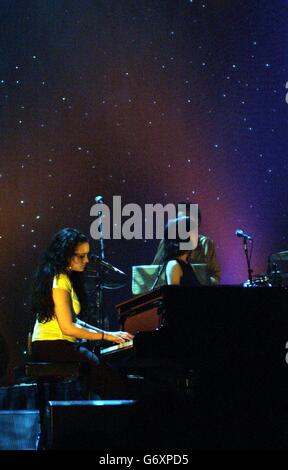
x=117, y=347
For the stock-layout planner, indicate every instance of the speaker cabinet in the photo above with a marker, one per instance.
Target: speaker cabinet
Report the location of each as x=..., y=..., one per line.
x=98, y=424
x=19, y=429
x=154, y=423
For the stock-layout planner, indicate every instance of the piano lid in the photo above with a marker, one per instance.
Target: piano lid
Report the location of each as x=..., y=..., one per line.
x=149, y=299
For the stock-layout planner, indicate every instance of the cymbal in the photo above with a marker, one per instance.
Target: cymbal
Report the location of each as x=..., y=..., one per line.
x=279, y=274
x=281, y=256
x=272, y=277
x=101, y=272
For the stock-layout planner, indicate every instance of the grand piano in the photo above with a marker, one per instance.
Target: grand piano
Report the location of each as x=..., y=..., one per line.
x=209, y=327
x=220, y=353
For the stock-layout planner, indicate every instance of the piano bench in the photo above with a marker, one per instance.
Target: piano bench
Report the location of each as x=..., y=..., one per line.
x=47, y=375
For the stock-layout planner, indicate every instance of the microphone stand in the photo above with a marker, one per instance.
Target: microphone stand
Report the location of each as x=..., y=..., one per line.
x=160, y=271
x=99, y=291
x=248, y=259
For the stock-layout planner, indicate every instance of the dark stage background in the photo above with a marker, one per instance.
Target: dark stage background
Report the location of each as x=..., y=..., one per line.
x=155, y=101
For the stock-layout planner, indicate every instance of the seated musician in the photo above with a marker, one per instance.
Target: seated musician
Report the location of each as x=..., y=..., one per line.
x=203, y=253
x=56, y=302
x=177, y=253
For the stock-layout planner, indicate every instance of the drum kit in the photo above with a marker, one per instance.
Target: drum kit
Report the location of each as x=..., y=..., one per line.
x=276, y=275
x=102, y=274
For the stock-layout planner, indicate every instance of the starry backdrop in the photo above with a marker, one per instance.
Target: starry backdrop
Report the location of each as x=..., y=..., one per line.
x=153, y=100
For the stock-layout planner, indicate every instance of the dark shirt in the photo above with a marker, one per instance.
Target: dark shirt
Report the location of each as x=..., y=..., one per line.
x=203, y=253
x=188, y=277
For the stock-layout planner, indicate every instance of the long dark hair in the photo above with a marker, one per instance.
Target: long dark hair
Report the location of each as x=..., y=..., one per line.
x=54, y=262
x=171, y=247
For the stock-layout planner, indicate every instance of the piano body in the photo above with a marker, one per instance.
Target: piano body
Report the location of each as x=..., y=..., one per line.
x=214, y=369
x=224, y=329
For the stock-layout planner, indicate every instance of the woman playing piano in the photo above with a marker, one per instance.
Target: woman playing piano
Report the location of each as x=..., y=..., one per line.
x=56, y=302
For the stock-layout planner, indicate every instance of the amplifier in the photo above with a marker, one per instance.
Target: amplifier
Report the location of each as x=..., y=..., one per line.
x=91, y=424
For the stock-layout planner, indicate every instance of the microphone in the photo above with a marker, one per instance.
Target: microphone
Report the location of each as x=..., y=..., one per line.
x=104, y=264
x=93, y=257
x=242, y=234
x=99, y=199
